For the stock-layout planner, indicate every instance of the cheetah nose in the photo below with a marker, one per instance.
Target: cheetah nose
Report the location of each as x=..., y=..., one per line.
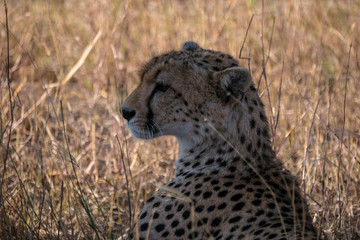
x=127, y=113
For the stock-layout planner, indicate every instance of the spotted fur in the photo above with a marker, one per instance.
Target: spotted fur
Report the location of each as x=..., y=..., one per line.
x=229, y=183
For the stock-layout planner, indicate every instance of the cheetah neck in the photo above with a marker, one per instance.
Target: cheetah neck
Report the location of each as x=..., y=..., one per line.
x=221, y=151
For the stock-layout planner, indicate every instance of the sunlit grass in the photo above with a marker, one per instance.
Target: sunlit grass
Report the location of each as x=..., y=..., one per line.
x=64, y=176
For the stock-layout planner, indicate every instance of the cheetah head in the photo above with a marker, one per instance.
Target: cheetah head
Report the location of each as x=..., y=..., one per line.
x=181, y=92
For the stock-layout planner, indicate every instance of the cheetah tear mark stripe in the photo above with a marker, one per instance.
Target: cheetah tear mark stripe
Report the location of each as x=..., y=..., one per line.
x=150, y=113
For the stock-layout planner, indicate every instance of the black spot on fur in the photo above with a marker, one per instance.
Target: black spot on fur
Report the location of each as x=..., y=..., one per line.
x=256, y=202
x=180, y=207
x=174, y=223
x=186, y=214
x=215, y=222
x=143, y=215
x=214, y=182
x=265, y=132
x=232, y=169
x=259, y=213
x=150, y=199
x=209, y=161
x=144, y=227
x=262, y=117
x=246, y=227
x=207, y=179
x=179, y=232
x=249, y=147
x=206, y=195
x=238, y=206
x=271, y=205
x=258, y=144
x=195, y=164
x=236, y=197
x=249, y=189
x=222, y=206
x=222, y=193
x=235, y=219
x=242, y=139
x=211, y=208
x=239, y=186
x=197, y=193
x=199, y=209
x=252, y=123
x=160, y=227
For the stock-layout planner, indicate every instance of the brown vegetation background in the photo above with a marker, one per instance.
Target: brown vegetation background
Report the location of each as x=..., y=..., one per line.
x=69, y=168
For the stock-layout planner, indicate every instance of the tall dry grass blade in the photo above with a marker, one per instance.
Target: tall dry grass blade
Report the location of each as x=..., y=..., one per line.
x=278, y=110
x=83, y=200
x=5, y=154
x=127, y=186
x=54, y=41
x=60, y=211
x=243, y=43
x=15, y=94
x=264, y=74
x=22, y=217
x=21, y=46
x=340, y=182
x=304, y=169
x=72, y=71
x=31, y=209
x=264, y=63
x=81, y=60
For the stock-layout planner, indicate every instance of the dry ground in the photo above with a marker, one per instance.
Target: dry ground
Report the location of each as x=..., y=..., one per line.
x=65, y=151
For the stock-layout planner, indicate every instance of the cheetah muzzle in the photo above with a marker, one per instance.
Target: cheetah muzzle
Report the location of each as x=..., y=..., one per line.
x=229, y=183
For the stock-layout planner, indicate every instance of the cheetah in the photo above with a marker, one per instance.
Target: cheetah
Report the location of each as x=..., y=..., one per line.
x=228, y=182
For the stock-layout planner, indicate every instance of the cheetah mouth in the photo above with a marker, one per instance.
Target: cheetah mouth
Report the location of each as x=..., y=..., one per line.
x=138, y=133
x=144, y=129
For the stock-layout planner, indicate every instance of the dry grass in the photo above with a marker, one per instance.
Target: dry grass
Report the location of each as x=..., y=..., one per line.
x=62, y=174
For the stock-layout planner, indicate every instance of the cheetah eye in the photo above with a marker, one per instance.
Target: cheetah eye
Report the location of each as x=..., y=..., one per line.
x=162, y=87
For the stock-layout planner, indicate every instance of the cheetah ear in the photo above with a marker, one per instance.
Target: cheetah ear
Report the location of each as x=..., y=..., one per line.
x=190, y=46
x=232, y=81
